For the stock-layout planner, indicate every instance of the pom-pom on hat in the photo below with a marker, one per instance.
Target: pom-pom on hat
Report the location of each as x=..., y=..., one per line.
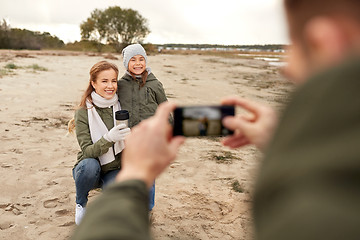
x=132, y=50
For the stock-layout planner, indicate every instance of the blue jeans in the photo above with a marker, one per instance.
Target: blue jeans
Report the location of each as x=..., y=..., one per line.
x=87, y=176
x=152, y=197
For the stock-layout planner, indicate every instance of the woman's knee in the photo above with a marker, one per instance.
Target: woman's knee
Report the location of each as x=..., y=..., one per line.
x=88, y=167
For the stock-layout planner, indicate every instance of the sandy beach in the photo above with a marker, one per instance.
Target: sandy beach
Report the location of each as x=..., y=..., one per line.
x=205, y=194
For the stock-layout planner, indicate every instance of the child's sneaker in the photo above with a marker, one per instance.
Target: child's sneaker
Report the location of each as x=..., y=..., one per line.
x=79, y=213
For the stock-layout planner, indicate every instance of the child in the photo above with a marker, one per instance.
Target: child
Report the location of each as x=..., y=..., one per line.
x=139, y=91
x=101, y=142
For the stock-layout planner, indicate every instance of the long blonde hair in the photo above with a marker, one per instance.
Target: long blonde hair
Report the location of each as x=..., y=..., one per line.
x=94, y=72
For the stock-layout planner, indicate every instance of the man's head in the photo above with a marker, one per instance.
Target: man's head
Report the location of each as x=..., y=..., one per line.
x=323, y=33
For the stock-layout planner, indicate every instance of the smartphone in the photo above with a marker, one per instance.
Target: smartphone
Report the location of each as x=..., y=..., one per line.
x=191, y=121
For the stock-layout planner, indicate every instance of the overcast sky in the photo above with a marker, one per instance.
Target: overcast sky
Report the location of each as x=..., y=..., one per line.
x=170, y=21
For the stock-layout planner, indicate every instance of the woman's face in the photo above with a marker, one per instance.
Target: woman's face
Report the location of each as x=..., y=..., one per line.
x=106, y=83
x=137, y=64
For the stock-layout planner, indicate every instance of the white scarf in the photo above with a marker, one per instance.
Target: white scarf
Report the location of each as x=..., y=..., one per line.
x=98, y=127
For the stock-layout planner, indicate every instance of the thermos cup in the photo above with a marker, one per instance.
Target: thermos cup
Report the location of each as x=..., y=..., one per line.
x=122, y=116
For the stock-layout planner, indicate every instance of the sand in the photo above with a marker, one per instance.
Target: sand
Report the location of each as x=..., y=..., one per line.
x=195, y=197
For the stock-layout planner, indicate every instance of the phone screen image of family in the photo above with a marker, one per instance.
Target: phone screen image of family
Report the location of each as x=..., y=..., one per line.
x=201, y=120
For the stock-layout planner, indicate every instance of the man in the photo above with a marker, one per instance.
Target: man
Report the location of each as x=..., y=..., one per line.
x=309, y=184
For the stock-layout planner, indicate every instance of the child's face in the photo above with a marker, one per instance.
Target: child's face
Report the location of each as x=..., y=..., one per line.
x=137, y=64
x=106, y=83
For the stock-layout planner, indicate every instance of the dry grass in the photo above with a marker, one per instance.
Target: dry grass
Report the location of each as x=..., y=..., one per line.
x=236, y=186
x=36, y=67
x=224, y=157
x=4, y=72
x=11, y=66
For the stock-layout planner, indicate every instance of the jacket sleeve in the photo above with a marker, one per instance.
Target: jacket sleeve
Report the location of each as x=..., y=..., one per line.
x=160, y=93
x=309, y=184
x=88, y=148
x=161, y=97
x=121, y=212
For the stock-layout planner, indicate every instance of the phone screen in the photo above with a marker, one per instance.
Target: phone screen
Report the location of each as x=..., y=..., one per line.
x=201, y=120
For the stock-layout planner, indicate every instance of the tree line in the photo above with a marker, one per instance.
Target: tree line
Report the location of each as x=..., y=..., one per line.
x=15, y=38
x=271, y=47
x=113, y=27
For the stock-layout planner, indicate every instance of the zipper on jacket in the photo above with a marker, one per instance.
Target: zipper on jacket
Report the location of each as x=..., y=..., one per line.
x=147, y=95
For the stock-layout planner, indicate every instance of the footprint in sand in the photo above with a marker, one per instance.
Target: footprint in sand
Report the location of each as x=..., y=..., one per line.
x=4, y=205
x=51, y=203
x=15, y=208
x=6, y=225
x=51, y=183
x=4, y=165
x=63, y=212
x=67, y=224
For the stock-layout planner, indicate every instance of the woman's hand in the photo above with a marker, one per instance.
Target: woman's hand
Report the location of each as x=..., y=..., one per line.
x=117, y=133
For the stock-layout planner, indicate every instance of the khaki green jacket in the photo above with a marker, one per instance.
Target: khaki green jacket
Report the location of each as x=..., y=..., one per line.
x=121, y=213
x=88, y=148
x=309, y=183
x=140, y=102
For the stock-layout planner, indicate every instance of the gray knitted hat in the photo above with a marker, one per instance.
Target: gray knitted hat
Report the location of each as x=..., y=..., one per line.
x=132, y=50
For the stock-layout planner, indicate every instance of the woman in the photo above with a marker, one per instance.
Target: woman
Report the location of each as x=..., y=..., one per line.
x=100, y=140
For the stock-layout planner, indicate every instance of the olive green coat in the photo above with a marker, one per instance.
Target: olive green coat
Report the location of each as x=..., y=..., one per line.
x=90, y=149
x=121, y=213
x=309, y=183
x=140, y=102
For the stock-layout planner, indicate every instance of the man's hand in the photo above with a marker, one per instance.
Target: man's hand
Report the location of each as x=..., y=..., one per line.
x=150, y=147
x=256, y=129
